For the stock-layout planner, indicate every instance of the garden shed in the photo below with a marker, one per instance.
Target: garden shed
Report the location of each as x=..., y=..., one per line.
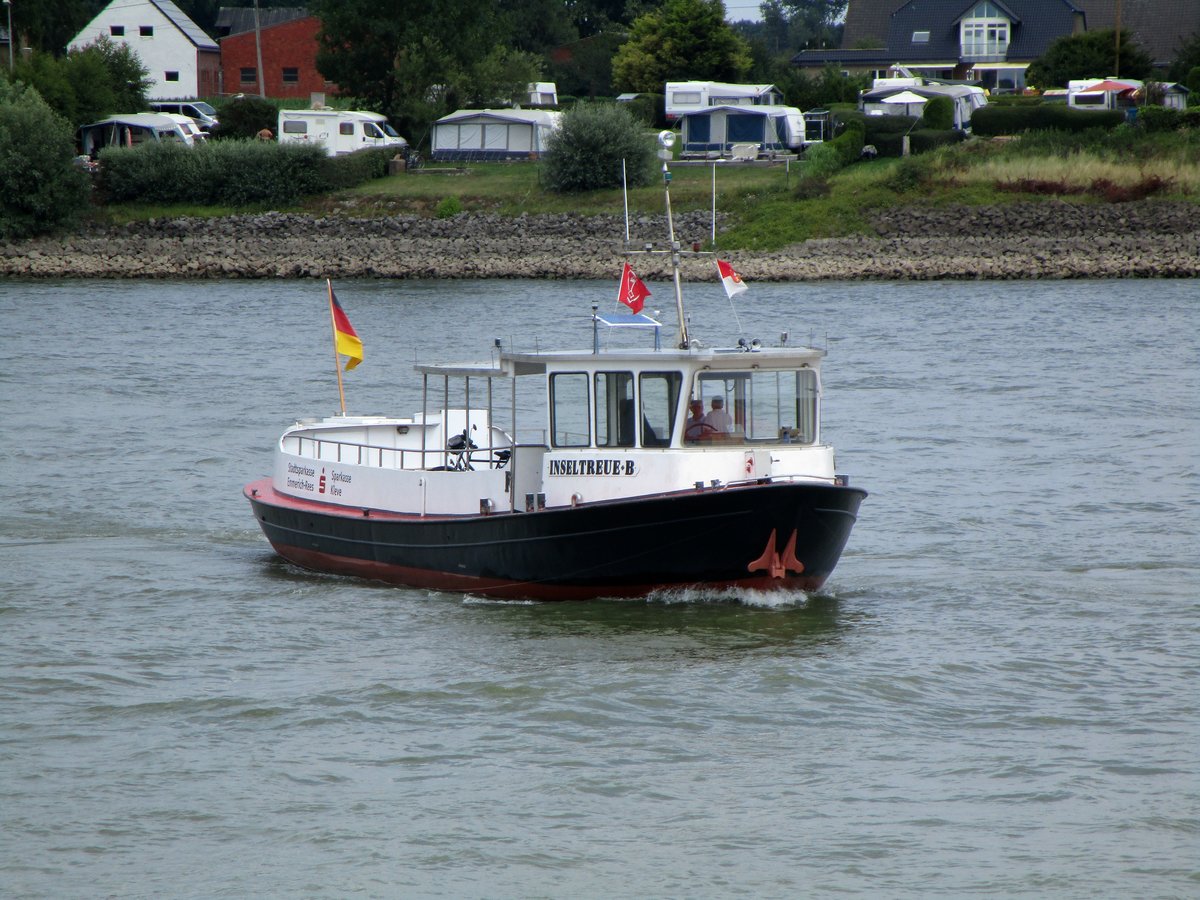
x=493, y=133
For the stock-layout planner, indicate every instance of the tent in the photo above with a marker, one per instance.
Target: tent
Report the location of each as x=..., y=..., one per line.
x=714, y=132
x=493, y=133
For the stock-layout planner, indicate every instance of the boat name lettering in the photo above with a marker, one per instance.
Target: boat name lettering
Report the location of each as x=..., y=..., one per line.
x=294, y=469
x=592, y=467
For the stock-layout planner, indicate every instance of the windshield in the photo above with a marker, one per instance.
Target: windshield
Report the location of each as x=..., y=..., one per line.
x=389, y=130
x=205, y=108
x=758, y=405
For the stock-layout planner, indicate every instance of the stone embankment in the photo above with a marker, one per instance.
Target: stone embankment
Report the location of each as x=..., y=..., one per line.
x=1047, y=240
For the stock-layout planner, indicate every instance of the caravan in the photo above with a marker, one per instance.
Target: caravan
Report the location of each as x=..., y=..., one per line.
x=339, y=131
x=693, y=96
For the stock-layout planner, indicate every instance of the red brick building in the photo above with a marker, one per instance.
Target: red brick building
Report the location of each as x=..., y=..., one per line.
x=289, y=52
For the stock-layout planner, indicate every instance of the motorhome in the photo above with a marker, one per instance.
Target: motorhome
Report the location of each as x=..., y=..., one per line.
x=693, y=96
x=339, y=131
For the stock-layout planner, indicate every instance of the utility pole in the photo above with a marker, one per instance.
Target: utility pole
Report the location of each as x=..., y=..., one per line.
x=262, y=81
x=1117, y=30
x=8, y=3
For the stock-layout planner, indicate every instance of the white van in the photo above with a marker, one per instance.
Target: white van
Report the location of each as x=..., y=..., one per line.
x=205, y=115
x=339, y=131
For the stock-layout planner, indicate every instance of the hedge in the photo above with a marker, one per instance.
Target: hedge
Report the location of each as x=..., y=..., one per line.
x=1160, y=118
x=996, y=120
x=232, y=173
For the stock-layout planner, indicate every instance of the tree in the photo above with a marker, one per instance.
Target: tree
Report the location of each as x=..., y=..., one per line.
x=683, y=40
x=1186, y=59
x=1092, y=54
x=40, y=187
x=409, y=61
x=587, y=150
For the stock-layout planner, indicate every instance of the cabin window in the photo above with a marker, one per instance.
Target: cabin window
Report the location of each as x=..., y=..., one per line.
x=146, y=30
x=614, y=409
x=346, y=128
x=117, y=30
x=660, y=397
x=569, y=409
x=293, y=126
x=249, y=75
x=291, y=75
x=767, y=406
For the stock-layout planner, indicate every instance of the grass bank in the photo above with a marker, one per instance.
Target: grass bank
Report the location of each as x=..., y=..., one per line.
x=765, y=208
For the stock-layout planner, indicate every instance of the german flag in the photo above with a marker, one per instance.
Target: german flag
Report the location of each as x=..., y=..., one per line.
x=345, y=339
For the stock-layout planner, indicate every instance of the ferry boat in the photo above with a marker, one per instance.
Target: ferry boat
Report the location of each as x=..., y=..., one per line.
x=576, y=474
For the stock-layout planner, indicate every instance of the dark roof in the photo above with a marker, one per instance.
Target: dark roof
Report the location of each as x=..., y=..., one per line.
x=867, y=22
x=190, y=29
x=1158, y=26
x=236, y=20
x=1036, y=24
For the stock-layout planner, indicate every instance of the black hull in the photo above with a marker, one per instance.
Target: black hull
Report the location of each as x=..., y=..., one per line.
x=775, y=536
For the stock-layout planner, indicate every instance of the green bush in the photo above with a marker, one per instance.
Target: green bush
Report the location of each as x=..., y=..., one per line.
x=245, y=117
x=820, y=161
x=448, y=208
x=235, y=173
x=938, y=114
x=350, y=169
x=649, y=109
x=849, y=143
x=925, y=139
x=996, y=120
x=40, y=187
x=1160, y=118
x=586, y=152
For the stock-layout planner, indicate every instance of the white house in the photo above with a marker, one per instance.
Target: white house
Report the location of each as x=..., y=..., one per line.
x=493, y=133
x=184, y=62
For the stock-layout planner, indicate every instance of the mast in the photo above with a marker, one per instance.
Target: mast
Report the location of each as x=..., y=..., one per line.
x=666, y=140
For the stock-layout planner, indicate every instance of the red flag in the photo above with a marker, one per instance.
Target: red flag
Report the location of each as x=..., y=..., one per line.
x=730, y=279
x=633, y=292
x=346, y=339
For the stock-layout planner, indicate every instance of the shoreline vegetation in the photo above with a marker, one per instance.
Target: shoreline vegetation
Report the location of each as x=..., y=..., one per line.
x=943, y=215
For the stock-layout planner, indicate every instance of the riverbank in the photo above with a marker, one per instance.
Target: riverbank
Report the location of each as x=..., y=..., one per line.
x=1147, y=239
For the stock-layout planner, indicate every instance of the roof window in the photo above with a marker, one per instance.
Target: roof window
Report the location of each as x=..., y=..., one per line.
x=920, y=37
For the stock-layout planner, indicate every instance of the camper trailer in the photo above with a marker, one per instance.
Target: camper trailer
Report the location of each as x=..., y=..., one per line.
x=338, y=131
x=692, y=96
x=130, y=131
x=742, y=132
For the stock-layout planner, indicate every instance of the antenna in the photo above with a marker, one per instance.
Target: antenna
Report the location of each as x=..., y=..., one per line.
x=666, y=140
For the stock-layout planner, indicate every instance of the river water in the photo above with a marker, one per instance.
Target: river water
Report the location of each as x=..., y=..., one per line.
x=996, y=693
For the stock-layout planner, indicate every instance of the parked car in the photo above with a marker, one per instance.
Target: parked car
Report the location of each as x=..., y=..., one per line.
x=205, y=115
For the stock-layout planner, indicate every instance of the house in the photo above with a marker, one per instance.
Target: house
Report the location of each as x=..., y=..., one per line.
x=287, y=40
x=183, y=60
x=991, y=42
x=741, y=131
x=493, y=133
